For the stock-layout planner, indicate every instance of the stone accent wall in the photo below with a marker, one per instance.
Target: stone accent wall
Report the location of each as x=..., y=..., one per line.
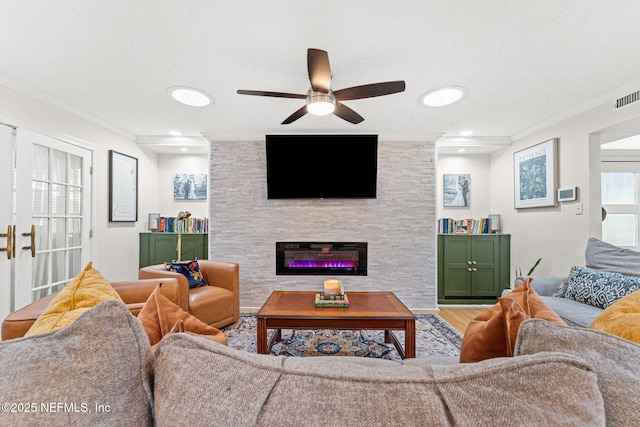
x=399, y=226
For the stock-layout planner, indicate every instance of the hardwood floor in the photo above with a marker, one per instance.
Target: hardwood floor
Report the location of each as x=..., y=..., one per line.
x=458, y=316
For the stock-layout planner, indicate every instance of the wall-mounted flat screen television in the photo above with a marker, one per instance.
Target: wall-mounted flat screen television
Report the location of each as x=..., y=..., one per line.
x=322, y=166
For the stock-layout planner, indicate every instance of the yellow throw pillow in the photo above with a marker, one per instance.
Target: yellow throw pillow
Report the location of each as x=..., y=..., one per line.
x=622, y=318
x=83, y=292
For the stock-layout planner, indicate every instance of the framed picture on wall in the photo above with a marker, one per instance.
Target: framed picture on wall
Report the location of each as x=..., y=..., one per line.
x=123, y=187
x=190, y=186
x=535, y=172
x=456, y=189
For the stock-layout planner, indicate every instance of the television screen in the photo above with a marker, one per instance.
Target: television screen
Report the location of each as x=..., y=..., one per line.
x=321, y=166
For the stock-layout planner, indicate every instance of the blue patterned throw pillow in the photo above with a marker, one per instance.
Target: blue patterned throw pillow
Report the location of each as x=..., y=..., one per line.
x=599, y=288
x=189, y=269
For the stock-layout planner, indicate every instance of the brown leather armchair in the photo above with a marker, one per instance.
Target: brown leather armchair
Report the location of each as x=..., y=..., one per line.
x=134, y=293
x=218, y=303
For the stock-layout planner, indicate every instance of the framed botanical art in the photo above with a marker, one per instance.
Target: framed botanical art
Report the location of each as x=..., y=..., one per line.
x=535, y=172
x=123, y=187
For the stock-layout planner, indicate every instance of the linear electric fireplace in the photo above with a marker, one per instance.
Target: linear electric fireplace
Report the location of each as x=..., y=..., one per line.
x=321, y=258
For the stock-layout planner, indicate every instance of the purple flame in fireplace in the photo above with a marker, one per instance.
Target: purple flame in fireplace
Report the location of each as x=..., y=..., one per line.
x=322, y=264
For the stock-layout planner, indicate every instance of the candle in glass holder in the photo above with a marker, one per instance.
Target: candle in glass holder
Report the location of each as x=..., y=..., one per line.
x=331, y=287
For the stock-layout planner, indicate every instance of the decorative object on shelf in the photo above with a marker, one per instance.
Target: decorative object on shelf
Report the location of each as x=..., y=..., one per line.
x=456, y=189
x=182, y=216
x=495, y=223
x=154, y=220
x=535, y=171
x=190, y=186
x=463, y=226
x=123, y=187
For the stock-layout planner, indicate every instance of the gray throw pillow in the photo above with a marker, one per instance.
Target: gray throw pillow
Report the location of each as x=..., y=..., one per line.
x=253, y=389
x=615, y=361
x=95, y=372
x=601, y=255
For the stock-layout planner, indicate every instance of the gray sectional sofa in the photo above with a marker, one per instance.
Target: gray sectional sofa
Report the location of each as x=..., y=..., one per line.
x=612, y=268
x=101, y=371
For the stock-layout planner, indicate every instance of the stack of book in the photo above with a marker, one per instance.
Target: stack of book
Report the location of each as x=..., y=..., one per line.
x=463, y=226
x=323, y=300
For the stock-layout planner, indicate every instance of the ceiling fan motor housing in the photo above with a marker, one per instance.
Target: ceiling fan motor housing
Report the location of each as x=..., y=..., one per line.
x=320, y=103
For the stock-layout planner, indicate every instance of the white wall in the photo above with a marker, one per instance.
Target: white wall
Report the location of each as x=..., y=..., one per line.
x=479, y=169
x=170, y=164
x=114, y=245
x=557, y=234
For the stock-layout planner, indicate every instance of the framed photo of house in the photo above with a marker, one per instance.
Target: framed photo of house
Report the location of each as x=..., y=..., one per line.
x=535, y=175
x=123, y=187
x=456, y=189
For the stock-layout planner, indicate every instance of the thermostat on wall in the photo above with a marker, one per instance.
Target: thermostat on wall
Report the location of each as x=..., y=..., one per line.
x=567, y=194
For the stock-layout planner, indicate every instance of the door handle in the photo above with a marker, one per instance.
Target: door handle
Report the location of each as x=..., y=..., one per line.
x=9, y=248
x=31, y=247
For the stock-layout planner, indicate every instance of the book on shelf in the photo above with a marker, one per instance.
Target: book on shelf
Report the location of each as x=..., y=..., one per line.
x=170, y=224
x=323, y=303
x=463, y=226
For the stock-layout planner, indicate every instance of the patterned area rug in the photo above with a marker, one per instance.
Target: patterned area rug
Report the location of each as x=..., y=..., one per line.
x=434, y=337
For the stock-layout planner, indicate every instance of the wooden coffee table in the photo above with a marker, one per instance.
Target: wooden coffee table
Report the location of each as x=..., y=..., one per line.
x=367, y=310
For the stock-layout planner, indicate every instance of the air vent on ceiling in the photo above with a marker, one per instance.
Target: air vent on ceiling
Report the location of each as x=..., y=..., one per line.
x=626, y=100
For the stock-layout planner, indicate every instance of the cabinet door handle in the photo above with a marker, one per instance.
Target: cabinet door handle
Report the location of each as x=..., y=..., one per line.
x=474, y=269
x=469, y=269
x=473, y=262
x=469, y=262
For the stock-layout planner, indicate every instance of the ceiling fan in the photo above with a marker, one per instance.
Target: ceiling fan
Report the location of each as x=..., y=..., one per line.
x=321, y=100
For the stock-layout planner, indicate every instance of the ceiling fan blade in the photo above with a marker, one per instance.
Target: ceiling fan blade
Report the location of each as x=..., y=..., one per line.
x=273, y=94
x=370, y=90
x=347, y=114
x=319, y=70
x=295, y=116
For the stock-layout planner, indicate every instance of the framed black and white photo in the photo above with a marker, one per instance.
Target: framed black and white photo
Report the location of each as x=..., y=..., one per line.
x=535, y=170
x=123, y=187
x=456, y=189
x=190, y=186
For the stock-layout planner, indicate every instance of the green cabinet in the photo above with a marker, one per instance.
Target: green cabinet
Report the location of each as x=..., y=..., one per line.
x=472, y=267
x=156, y=248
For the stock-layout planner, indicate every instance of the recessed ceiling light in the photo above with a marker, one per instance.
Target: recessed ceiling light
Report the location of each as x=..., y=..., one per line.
x=189, y=96
x=461, y=150
x=184, y=149
x=175, y=133
x=443, y=96
x=467, y=132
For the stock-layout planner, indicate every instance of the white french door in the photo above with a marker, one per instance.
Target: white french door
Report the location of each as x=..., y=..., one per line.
x=50, y=218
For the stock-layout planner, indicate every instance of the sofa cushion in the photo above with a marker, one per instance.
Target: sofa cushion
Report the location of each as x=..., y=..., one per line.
x=614, y=360
x=572, y=312
x=599, y=288
x=83, y=292
x=160, y=316
x=493, y=333
x=189, y=269
x=95, y=372
x=601, y=255
x=257, y=389
x=622, y=318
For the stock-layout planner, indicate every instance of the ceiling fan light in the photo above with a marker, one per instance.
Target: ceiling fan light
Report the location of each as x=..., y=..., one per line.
x=320, y=104
x=189, y=96
x=443, y=96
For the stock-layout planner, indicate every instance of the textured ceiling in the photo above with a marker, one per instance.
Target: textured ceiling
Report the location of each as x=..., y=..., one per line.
x=523, y=62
